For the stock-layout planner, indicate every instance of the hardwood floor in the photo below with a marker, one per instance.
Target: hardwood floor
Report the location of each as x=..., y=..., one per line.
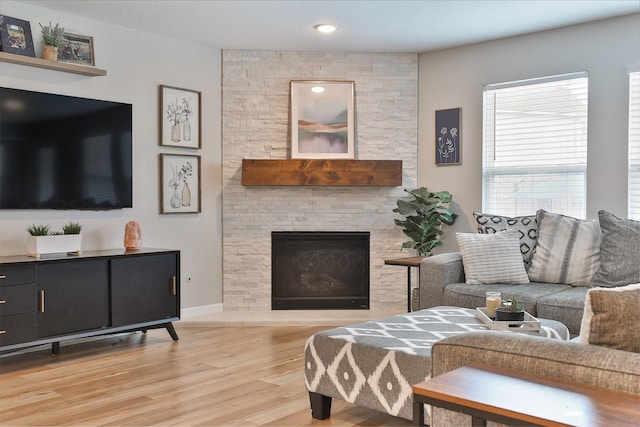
x=213, y=376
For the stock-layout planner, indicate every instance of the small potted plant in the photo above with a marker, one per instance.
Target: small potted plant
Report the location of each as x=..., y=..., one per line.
x=510, y=310
x=71, y=228
x=43, y=240
x=424, y=216
x=52, y=38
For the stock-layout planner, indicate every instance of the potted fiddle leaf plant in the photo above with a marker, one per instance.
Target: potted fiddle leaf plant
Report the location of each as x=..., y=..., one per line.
x=424, y=216
x=42, y=240
x=52, y=39
x=510, y=310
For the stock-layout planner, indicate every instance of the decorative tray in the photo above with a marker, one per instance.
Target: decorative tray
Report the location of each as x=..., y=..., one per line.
x=529, y=323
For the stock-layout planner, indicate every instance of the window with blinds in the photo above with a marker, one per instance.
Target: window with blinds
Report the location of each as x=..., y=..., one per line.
x=535, y=146
x=634, y=145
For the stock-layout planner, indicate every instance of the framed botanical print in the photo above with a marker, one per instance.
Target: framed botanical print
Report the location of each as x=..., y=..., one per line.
x=322, y=119
x=448, y=136
x=180, y=117
x=180, y=183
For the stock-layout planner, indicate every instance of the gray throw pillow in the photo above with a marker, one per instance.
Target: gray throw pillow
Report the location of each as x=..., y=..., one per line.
x=492, y=258
x=611, y=318
x=619, y=252
x=527, y=227
x=568, y=250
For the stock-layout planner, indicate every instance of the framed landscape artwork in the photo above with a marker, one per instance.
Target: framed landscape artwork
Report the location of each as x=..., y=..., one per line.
x=15, y=36
x=180, y=117
x=180, y=183
x=322, y=119
x=448, y=137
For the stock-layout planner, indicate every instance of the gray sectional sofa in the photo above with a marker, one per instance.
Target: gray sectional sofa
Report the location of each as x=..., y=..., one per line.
x=547, y=261
x=442, y=282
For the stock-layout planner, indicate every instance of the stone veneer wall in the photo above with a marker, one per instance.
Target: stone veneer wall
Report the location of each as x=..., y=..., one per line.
x=255, y=116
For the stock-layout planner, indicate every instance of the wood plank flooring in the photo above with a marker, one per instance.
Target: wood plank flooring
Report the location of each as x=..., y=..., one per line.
x=213, y=376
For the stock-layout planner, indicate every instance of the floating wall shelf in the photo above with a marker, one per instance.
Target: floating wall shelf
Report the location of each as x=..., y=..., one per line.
x=84, y=70
x=335, y=172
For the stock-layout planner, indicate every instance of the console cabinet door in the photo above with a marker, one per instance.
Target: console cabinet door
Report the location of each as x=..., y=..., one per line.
x=73, y=296
x=144, y=289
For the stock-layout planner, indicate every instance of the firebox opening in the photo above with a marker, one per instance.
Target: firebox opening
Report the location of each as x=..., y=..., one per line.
x=319, y=270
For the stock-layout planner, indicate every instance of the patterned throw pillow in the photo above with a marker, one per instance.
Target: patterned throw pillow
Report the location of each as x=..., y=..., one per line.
x=619, y=252
x=568, y=250
x=527, y=227
x=492, y=258
x=611, y=318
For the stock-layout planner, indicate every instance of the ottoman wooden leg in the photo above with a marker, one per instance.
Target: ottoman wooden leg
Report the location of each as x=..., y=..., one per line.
x=320, y=406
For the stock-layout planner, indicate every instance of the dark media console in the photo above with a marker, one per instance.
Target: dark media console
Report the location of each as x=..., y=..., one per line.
x=57, y=298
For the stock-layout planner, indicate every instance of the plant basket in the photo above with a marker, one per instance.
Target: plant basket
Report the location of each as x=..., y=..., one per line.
x=63, y=243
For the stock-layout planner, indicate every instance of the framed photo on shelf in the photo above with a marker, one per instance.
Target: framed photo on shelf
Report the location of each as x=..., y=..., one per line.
x=179, y=183
x=15, y=36
x=322, y=119
x=180, y=117
x=448, y=136
x=76, y=49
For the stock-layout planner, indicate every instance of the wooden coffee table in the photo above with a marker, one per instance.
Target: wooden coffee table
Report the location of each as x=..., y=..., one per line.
x=517, y=398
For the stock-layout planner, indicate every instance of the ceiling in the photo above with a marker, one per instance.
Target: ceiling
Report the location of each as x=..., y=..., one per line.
x=364, y=26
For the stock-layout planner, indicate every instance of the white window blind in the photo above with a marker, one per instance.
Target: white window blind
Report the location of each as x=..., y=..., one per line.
x=634, y=145
x=535, y=146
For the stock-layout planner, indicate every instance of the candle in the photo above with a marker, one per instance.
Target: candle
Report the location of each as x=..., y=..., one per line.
x=493, y=301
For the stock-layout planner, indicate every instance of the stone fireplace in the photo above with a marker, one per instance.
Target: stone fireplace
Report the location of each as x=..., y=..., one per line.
x=255, y=125
x=319, y=270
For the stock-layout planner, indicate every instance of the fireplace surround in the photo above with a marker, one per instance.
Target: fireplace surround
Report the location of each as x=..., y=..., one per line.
x=319, y=270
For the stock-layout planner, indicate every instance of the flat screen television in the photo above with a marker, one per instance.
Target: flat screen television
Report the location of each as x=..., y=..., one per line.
x=64, y=152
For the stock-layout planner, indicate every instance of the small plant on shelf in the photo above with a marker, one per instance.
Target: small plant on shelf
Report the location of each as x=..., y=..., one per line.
x=71, y=228
x=39, y=230
x=52, y=35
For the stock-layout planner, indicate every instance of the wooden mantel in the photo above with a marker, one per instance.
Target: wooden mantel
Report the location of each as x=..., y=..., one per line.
x=329, y=172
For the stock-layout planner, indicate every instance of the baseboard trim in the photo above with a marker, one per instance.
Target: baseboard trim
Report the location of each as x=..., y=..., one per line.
x=203, y=310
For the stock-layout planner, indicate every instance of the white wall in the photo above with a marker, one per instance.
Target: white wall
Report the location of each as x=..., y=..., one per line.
x=455, y=78
x=136, y=63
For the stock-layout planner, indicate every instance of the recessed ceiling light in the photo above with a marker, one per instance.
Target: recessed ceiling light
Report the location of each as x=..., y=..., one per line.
x=317, y=89
x=325, y=28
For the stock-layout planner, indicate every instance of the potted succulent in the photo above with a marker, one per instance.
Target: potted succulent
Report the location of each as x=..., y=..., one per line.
x=52, y=38
x=424, y=216
x=42, y=240
x=510, y=310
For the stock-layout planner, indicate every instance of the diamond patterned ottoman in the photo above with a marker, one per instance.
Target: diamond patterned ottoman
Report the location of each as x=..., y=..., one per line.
x=374, y=364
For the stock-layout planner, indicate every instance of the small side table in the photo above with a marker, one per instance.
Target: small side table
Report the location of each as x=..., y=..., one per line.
x=407, y=262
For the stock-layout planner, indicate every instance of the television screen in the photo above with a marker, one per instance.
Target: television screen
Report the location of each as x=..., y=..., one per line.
x=64, y=152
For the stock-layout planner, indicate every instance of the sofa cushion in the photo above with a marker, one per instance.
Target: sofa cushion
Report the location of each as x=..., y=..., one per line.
x=566, y=306
x=527, y=227
x=472, y=296
x=468, y=296
x=619, y=252
x=611, y=318
x=492, y=258
x=568, y=250
x=529, y=294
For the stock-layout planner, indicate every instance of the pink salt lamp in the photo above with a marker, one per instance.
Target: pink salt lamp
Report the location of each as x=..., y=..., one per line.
x=132, y=235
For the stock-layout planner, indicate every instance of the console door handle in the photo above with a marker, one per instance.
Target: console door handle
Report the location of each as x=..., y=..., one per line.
x=41, y=300
x=174, y=285
x=2, y=276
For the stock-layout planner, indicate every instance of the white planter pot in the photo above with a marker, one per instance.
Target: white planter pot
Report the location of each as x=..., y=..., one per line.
x=64, y=243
